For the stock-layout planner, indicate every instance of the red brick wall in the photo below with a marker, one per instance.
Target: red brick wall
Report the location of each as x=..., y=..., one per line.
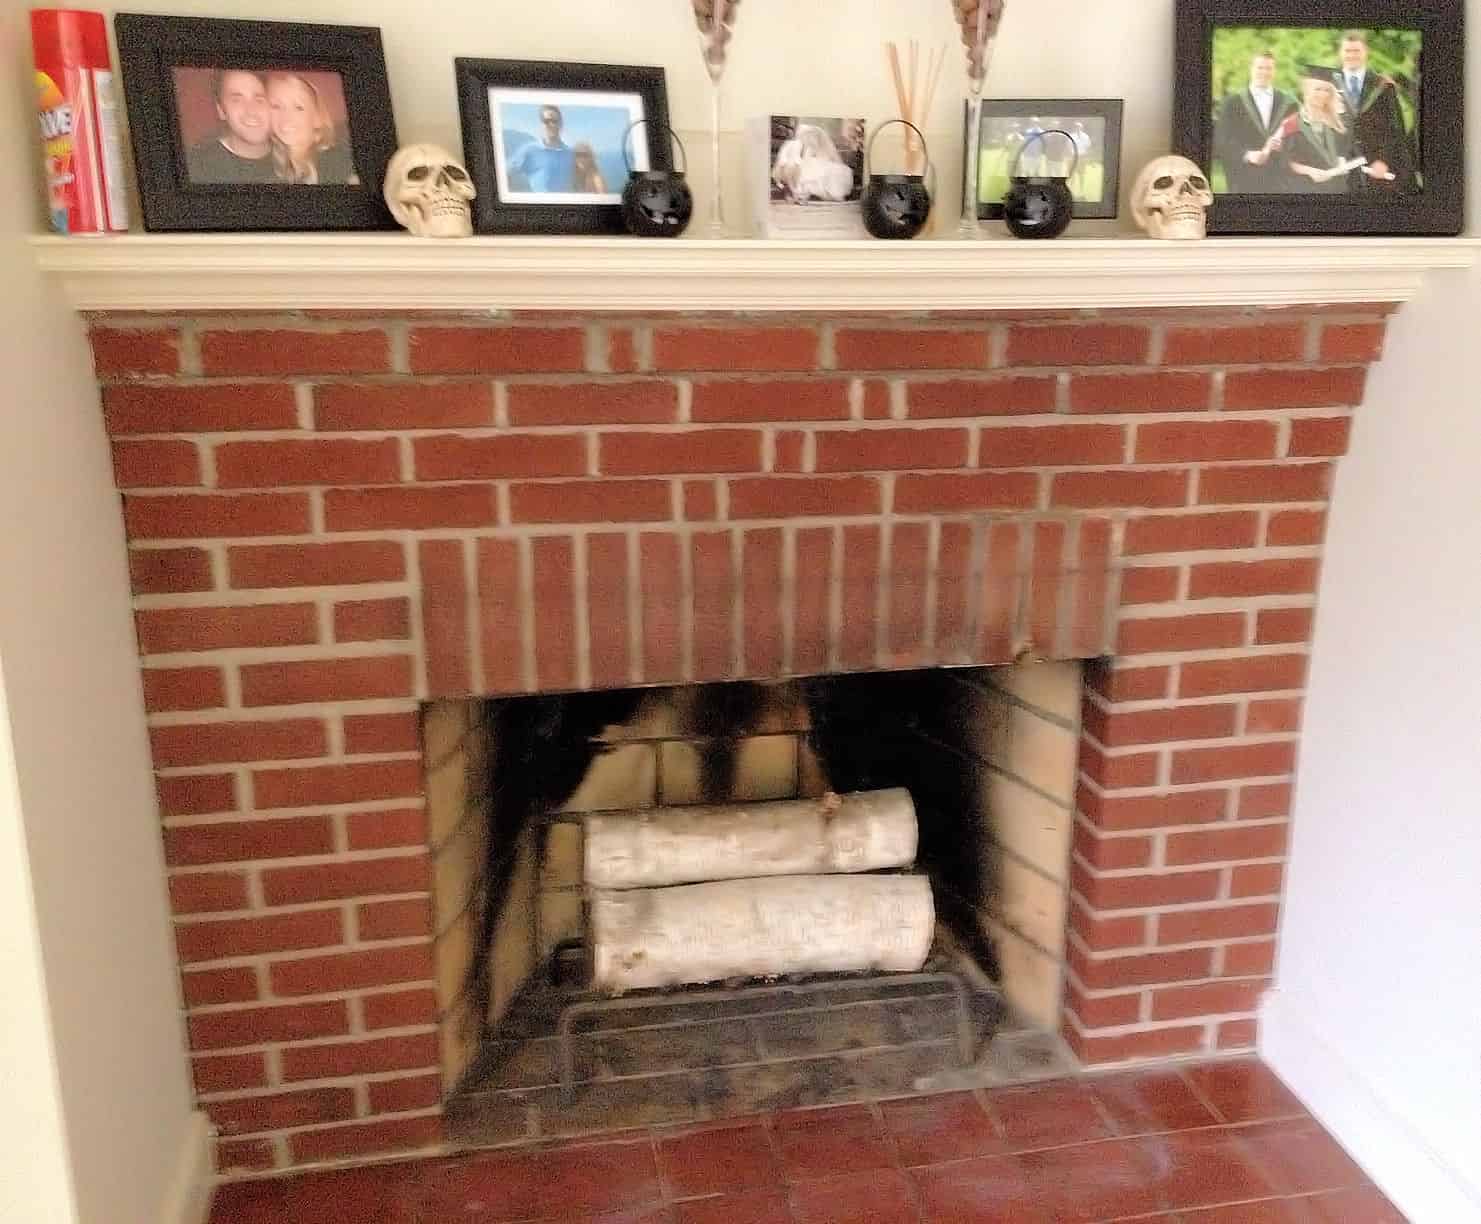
x=333, y=518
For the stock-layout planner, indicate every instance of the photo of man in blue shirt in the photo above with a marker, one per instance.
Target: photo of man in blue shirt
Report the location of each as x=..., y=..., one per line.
x=565, y=146
x=546, y=164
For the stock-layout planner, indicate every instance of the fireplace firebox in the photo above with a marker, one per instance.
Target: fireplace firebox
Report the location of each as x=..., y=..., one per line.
x=984, y=762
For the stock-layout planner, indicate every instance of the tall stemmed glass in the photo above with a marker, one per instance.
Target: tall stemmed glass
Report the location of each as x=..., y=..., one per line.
x=979, y=20
x=716, y=22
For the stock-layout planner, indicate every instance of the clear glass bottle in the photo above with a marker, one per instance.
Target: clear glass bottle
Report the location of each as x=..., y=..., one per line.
x=716, y=22
x=979, y=22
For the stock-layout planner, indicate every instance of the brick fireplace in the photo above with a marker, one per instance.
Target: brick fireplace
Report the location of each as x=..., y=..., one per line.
x=334, y=518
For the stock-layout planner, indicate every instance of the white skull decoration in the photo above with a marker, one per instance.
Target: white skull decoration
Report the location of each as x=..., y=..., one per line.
x=428, y=191
x=1170, y=199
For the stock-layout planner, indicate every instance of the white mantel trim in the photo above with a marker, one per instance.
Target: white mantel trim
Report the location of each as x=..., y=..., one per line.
x=162, y=272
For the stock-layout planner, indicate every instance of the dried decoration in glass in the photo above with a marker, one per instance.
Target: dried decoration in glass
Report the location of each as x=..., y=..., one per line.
x=716, y=22
x=979, y=21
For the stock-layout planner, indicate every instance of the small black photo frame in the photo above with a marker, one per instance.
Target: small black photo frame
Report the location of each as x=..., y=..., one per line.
x=1325, y=116
x=1017, y=131
x=256, y=125
x=549, y=144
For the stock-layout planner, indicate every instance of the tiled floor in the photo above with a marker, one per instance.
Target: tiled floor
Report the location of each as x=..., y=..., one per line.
x=1218, y=1143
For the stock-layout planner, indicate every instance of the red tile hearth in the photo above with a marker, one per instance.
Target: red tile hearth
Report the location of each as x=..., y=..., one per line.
x=1168, y=1150
x=331, y=519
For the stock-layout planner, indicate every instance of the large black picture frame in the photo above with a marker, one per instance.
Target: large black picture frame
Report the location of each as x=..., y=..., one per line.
x=150, y=46
x=1437, y=209
x=475, y=78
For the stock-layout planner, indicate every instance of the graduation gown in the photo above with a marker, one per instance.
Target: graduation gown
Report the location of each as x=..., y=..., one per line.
x=1379, y=135
x=1238, y=129
x=1313, y=145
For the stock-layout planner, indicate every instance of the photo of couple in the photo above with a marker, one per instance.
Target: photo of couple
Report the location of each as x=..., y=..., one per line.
x=564, y=146
x=264, y=127
x=1315, y=112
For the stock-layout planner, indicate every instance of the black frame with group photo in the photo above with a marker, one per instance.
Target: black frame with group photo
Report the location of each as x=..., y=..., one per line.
x=325, y=85
x=1364, y=135
x=1049, y=114
x=575, y=188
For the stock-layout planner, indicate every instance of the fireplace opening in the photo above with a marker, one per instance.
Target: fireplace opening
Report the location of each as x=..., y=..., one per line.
x=979, y=762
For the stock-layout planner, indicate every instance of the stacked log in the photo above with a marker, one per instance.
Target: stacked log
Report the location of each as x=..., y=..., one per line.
x=761, y=927
x=869, y=831
x=688, y=895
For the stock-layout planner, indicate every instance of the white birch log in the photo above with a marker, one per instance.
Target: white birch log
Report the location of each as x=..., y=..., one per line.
x=760, y=928
x=867, y=831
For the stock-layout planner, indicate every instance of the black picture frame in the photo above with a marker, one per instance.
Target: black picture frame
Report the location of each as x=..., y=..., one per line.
x=1435, y=207
x=494, y=214
x=150, y=47
x=1067, y=110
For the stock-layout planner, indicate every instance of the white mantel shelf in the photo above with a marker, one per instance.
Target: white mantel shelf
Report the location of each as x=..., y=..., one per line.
x=161, y=272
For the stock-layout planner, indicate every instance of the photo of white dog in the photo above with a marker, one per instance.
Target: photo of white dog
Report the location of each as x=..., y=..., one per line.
x=816, y=160
x=807, y=176
x=809, y=167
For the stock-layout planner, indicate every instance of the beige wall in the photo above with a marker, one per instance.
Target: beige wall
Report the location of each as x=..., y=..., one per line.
x=1377, y=1019
x=92, y=1042
x=35, y=1177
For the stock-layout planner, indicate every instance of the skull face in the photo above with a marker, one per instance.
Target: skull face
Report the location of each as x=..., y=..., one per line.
x=1171, y=198
x=428, y=191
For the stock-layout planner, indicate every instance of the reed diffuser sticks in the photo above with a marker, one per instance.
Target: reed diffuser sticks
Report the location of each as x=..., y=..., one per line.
x=914, y=93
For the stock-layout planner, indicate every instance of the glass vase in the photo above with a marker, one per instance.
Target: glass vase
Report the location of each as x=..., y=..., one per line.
x=979, y=21
x=716, y=21
x=717, y=228
x=969, y=227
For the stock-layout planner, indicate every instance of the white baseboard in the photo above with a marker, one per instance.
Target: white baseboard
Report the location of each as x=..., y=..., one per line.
x=188, y=1199
x=1421, y=1184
